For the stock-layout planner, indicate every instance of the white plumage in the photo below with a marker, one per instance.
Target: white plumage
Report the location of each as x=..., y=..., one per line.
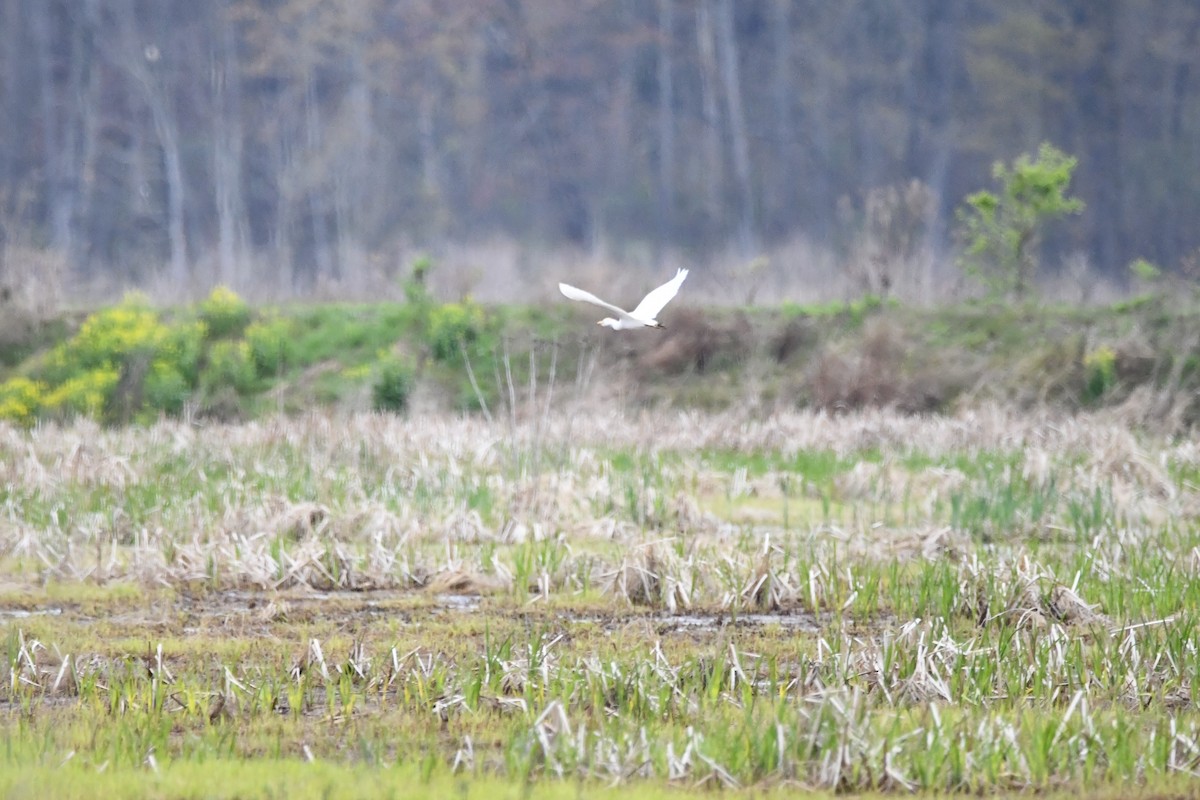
x=646, y=313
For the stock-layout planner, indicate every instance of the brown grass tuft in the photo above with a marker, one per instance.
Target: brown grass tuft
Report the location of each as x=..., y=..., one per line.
x=798, y=335
x=768, y=589
x=460, y=581
x=695, y=342
x=638, y=579
x=1071, y=609
x=870, y=376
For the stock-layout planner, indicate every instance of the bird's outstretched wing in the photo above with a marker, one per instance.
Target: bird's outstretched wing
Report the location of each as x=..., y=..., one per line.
x=571, y=292
x=653, y=303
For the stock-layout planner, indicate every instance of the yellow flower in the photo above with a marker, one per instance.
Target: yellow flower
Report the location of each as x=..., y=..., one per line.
x=87, y=393
x=20, y=399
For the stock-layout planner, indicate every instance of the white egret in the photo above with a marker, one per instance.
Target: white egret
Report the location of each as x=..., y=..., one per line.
x=644, y=316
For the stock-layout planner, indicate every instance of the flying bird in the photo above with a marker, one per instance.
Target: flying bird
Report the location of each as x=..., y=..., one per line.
x=646, y=313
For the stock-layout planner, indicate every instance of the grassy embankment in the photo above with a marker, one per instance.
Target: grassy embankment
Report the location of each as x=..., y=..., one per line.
x=223, y=360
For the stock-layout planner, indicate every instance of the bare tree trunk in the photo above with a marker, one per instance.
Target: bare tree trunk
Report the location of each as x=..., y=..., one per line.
x=431, y=168
x=1180, y=94
x=666, y=121
x=473, y=122
x=710, y=114
x=316, y=194
x=139, y=61
x=930, y=96
x=1099, y=86
x=59, y=201
x=10, y=57
x=618, y=173
x=861, y=104
x=90, y=112
x=739, y=138
x=227, y=153
x=168, y=138
x=12, y=105
x=353, y=187
x=821, y=107
x=784, y=175
x=287, y=274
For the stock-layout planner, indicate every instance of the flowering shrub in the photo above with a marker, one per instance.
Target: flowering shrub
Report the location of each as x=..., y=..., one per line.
x=224, y=313
x=110, y=336
x=230, y=364
x=20, y=400
x=270, y=345
x=184, y=349
x=87, y=393
x=1101, y=368
x=451, y=324
x=165, y=388
x=160, y=364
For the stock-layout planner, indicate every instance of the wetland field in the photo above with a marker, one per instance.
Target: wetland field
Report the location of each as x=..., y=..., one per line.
x=593, y=603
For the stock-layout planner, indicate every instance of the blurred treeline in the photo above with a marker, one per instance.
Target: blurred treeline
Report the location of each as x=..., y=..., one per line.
x=290, y=143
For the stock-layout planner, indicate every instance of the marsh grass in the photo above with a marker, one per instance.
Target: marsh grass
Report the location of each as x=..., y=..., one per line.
x=867, y=603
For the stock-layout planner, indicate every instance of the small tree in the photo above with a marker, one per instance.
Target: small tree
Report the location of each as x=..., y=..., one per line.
x=1002, y=231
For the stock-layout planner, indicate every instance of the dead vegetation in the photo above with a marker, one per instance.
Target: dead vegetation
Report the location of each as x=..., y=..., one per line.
x=376, y=502
x=694, y=342
x=851, y=601
x=869, y=354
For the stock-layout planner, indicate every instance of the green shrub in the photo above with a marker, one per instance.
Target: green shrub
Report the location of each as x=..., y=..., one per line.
x=109, y=337
x=1002, y=230
x=1101, y=370
x=20, y=401
x=88, y=393
x=183, y=349
x=1145, y=271
x=165, y=389
x=230, y=364
x=451, y=324
x=224, y=313
x=122, y=360
x=271, y=345
x=416, y=290
x=393, y=384
x=344, y=333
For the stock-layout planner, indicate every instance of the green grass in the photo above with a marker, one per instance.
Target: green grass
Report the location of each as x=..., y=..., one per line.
x=868, y=604
x=294, y=778
x=348, y=334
